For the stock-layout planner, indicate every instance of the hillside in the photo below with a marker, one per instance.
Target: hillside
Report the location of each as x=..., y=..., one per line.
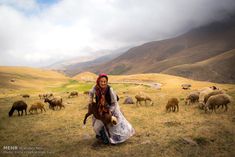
x=15, y=79
x=219, y=68
x=195, y=46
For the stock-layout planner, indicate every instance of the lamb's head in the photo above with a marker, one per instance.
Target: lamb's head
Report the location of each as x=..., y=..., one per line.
x=202, y=105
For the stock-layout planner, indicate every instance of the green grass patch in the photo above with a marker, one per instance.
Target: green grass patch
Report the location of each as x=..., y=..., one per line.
x=72, y=85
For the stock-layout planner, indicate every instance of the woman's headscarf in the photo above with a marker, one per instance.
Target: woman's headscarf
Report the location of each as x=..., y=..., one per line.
x=100, y=93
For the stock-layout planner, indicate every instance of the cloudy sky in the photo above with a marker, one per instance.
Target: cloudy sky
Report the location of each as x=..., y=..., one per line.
x=40, y=32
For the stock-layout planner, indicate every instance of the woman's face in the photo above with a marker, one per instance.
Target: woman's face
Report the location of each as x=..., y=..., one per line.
x=103, y=82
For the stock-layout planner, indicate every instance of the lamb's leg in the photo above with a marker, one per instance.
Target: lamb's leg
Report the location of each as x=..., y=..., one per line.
x=25, y=111
x=226, y=107
x=214, y=108
x=86, y=116
x=107, y=130
x=18, y=112
x=177, y=106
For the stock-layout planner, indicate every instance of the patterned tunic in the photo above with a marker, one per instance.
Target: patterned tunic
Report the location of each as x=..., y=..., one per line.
x=119, y=132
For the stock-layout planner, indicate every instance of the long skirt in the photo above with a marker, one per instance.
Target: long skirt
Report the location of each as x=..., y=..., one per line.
x=118, y=133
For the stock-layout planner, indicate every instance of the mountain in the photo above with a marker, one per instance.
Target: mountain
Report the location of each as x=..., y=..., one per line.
x=216, y=69
x=180, y=56
x=76, y=68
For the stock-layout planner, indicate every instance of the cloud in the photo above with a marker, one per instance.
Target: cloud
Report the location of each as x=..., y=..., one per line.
x=37, y=33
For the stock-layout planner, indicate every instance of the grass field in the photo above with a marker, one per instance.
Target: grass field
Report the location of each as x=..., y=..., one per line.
x=190, y=132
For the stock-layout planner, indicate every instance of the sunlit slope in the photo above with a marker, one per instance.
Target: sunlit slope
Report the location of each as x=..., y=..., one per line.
x=18, y=78
x=85, y=76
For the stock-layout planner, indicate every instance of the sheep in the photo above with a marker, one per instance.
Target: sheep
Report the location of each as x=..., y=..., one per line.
x=106, y=118
x=47, y=95
x=40, y=96
x=54, y=102
x=19, y=106
x=203, y=93
x=193, y=97
x=186, y=86
x=36, y=106
x=140, y=98
x=72, y=94
x=215, y=92
x=172, y=104
x=216, y=101
x=86, y=92
x=25, y=95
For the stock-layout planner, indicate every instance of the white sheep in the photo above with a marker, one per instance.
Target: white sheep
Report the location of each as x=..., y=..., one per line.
x=216, y=101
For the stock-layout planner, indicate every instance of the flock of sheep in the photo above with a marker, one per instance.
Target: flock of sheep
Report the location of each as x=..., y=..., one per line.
x=54, y=103
x=208, y=99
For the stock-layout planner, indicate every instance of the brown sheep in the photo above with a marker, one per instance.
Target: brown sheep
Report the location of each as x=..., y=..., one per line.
x=140, y=98
x=86, y=92
x=72, y=94
x=25, y=95
x=47, y=95
x=172, y=104
x=55, y=102
x=19, y=106
x=216, y=101
x=192, y=98
x=38, y=105
x=106, y=118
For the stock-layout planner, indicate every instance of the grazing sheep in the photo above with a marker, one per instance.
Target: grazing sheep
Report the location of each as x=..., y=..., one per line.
x=215, y=92
x=47, y=95
x=186, y=86
x=128, y=100
x=172, y=104
x=19, y=106
x=193, y=97
x=140, y=98
x=216, y=101
x=38, y=105
x=55, y=102
x=40, y=96
x=106, y=118
x=86, y=92
x=203, y=93
x=25, y=95
x=72, y=94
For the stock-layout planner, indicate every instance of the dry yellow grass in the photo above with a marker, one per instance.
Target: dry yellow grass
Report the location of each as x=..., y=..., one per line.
x=61, y=133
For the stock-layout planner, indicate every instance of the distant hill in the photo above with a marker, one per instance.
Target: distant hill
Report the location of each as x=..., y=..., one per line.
x=199, y=47
x=73, y=69
x=76, y=65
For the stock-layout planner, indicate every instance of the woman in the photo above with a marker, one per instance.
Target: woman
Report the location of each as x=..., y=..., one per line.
x=107, y=99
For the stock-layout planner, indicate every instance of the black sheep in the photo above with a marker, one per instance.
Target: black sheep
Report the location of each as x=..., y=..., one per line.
x=19, y=106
